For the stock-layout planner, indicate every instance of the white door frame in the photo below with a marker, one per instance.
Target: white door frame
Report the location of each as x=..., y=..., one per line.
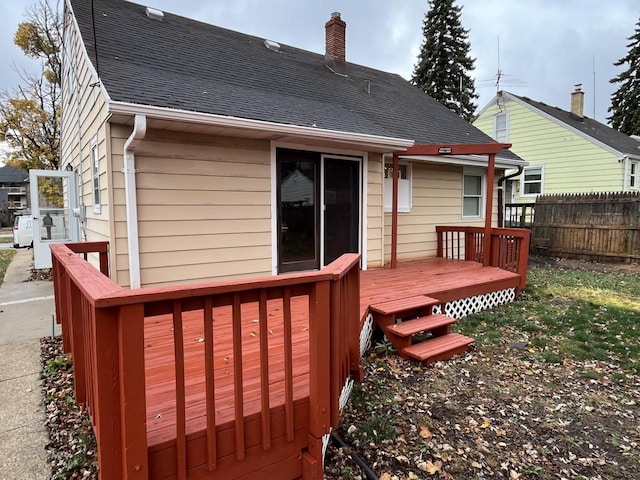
x=41, y=250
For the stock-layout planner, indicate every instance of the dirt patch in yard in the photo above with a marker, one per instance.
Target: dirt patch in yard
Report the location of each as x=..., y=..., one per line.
x=554, y=262
x=493, y=413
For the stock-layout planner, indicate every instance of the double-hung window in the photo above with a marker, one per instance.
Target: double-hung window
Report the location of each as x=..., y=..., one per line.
x=473, y=193
x=95, y=171
x=404, y=187
x=531, y=181
x=501, y=127
x=634, y=175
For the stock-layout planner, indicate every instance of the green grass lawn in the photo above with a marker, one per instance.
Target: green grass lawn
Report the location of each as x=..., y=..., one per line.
x=6, y=239
x=568, y=314
x=5, y=259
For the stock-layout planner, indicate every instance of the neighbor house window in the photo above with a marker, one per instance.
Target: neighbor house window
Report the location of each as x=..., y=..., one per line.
x=634, y=175
x=501, y=127
x=95, y=171
x=472, y=193
x=531, y=181
x=404, y=187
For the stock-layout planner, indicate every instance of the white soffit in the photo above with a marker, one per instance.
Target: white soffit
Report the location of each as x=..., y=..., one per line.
x=465, y=160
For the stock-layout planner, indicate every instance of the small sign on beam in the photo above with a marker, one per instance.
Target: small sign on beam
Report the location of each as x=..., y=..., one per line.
x=445, y=150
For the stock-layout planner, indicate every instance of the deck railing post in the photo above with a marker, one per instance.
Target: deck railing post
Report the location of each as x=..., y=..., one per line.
x=523, y=258
x=132, y=392
x=107, y=414
x=319, y=378
x=439, y=237
x=497, y=253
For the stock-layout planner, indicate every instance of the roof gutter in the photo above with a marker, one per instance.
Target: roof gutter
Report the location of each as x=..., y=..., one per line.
x=151, y=112
x=501, y=201
x=131, y=202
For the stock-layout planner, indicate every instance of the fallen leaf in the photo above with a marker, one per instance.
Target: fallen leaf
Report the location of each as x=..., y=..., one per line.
x=425, y=432
x=485, y=424
x=431, y=467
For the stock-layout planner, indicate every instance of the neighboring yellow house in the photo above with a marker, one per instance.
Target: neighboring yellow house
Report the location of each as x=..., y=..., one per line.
x=203, y=153
x=567, y=152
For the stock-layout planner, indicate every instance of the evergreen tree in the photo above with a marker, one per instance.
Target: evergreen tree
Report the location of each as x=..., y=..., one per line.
x=625, y=102
x=444, y=65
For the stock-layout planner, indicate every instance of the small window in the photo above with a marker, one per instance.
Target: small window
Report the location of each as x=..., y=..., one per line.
x=531, y=180
x=501, y=128
x=95, y=170
x=634, y=174
x=472, y=194
x=404, y=187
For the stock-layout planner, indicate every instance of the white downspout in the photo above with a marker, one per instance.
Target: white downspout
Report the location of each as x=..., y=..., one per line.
x=131, y=202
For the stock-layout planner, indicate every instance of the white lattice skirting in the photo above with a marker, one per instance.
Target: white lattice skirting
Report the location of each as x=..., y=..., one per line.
x=466, y=306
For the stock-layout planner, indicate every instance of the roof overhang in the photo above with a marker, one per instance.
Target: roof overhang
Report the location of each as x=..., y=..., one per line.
x=467, y=154
x=197, y=122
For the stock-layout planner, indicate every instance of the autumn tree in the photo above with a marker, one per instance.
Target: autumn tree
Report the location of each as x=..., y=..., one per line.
x=444, y=63
x=29, y=115
x=625, y=102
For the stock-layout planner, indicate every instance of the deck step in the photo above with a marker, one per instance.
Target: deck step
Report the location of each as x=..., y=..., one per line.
x=422, y=324
x=401, y=305
x=439, y=348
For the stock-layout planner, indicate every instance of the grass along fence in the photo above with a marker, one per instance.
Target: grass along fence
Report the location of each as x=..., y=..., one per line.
x=600, y=227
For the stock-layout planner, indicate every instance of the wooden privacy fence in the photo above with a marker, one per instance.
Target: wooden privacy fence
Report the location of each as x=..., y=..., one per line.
x=509, y=247
x=601, y=227
x=104, y=329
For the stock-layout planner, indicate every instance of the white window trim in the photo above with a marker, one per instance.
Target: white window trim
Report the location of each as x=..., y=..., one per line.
x=506, y=127
x=468, y=171
x=403, y=207
x=522, y=182
x=634, y=178
x=95, y=176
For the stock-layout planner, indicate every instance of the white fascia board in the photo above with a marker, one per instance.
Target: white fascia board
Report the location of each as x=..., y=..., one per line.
x=85, y=54
x=465, y=160
x=365, y=140
x=562, y=124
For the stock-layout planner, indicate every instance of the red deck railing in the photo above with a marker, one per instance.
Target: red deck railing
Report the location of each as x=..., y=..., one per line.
x=509, y=247
x=104, y=329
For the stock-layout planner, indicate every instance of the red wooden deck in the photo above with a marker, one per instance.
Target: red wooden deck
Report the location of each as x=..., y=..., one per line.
x=239, y=379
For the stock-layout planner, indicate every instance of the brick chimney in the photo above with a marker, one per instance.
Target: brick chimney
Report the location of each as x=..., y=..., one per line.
x=336, y=35
x=577, y=101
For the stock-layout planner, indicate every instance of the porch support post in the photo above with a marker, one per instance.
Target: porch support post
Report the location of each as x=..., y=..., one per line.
x=489, y=210
x=394, y=213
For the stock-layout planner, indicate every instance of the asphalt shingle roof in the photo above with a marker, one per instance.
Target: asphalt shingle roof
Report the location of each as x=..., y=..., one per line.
x=185, y=64
x=9, y=174
x=599, y=131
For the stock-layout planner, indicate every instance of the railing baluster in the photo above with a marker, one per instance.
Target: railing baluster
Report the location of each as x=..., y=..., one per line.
x=209, y=370
x=264, y=371
x=237, y=376
x=181, y=426
x=288, y=367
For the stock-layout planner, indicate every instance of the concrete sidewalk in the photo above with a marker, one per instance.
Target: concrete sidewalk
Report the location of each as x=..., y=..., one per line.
x=26, y=310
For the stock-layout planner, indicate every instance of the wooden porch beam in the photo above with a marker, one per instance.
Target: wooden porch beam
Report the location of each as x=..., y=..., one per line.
x=486, y=256
x=456, y=149
x=394, y=212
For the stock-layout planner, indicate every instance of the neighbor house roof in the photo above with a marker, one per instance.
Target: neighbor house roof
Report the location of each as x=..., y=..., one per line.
x=611, y=137
x=179, y=63
x=9, y=174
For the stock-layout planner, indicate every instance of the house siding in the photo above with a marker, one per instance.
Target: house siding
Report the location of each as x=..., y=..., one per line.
x=437, y=200
x=572, y=164
x=83, y=121
x=203, y=208
x=375, y=223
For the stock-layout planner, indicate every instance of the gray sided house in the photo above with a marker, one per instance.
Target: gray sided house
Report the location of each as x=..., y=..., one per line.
x=203, y=153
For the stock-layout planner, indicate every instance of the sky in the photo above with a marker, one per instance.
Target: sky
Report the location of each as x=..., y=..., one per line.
x=543, y=47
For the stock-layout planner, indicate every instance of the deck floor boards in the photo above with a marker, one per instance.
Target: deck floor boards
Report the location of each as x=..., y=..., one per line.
x=436, y=278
